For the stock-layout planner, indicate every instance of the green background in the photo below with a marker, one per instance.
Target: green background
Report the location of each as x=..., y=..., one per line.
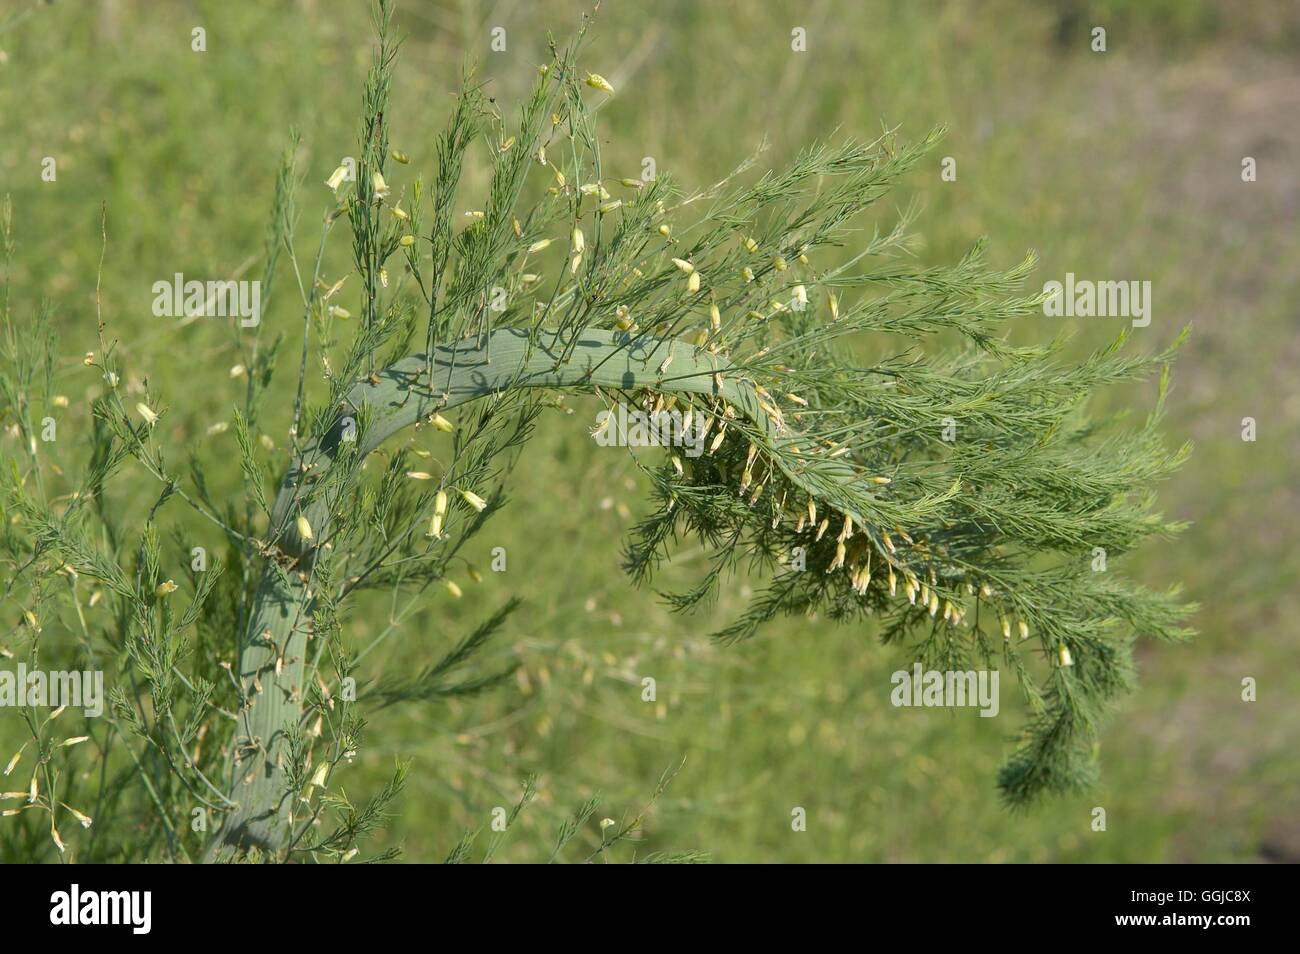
x=1117, y=165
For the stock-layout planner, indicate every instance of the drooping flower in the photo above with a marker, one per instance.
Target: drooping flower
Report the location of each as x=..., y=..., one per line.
x=337, y=178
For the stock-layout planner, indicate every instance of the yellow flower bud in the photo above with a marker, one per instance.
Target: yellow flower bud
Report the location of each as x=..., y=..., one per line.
x=840, y=552
x=304, y=528
x=597, y=81
x=84, y=820
x=314, y=784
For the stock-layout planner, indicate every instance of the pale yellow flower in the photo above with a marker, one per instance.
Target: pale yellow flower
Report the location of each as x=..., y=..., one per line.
x=337, y=178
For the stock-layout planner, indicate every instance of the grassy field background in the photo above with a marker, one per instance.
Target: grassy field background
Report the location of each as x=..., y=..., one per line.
x=1117, y=165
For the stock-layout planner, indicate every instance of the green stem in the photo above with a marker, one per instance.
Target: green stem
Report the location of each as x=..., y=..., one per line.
x=402, y=396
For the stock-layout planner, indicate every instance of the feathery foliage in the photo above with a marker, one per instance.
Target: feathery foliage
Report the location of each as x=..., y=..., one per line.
x=870, y=415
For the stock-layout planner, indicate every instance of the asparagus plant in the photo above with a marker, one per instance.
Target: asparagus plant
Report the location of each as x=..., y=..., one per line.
x=862, y=410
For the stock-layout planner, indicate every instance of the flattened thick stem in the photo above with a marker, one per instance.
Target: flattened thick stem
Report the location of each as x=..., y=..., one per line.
x=279, y=629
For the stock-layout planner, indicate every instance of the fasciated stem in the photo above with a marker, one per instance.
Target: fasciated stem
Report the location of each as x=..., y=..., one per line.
x=274, y=646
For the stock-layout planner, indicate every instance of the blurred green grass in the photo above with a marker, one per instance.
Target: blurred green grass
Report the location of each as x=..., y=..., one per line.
x=1117, y=165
